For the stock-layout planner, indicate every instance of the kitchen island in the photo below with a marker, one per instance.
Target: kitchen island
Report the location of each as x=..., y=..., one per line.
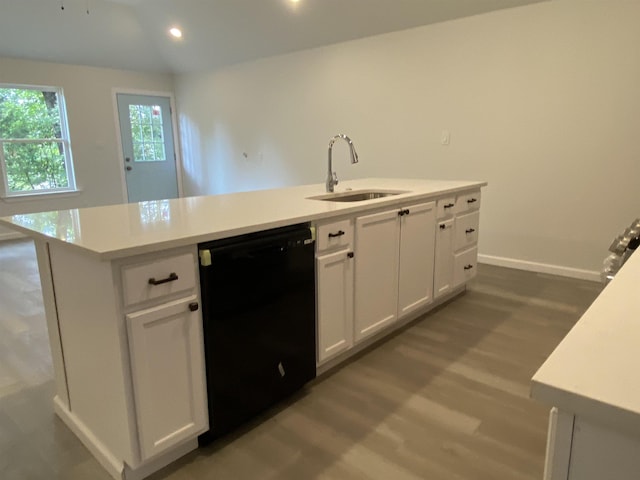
x=121, y=292
x=591, y=380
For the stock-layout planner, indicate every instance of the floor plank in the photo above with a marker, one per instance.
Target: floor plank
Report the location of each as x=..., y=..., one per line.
x=446, y=398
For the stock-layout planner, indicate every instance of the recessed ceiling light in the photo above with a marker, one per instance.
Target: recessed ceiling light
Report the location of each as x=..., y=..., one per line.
x=175, y=32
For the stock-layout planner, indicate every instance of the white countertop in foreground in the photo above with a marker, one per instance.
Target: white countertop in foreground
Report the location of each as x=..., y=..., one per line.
x=118, y=231
x=595, y=371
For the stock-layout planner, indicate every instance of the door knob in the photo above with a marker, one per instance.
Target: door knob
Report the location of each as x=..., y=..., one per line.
x=129, y=168
x=127, y=159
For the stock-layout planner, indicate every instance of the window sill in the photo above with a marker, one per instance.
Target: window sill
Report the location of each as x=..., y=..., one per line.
x=30, y=197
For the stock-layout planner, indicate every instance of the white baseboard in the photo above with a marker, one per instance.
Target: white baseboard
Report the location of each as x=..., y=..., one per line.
x=113, y=466
x=11, y=236
x=540, y=267
x=118, y=469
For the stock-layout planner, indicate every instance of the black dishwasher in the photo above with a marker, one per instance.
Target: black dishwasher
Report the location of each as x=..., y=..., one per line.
x=258, y=307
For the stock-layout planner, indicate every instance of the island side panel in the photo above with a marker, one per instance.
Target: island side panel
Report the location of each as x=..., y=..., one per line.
x=559, y=438
x=96, y=357
x=51, y=314
x=601, y=452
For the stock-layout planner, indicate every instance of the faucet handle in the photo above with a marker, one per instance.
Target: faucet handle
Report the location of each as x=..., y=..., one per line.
x=334, y=178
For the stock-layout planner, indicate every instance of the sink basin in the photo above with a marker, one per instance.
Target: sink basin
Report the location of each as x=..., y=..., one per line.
x=357, y=195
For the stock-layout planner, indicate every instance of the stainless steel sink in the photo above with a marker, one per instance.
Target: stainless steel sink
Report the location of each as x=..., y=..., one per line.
x=357, y=195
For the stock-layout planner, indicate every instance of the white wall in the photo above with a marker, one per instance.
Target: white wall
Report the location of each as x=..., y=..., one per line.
x=88, y=94
x=542, y=101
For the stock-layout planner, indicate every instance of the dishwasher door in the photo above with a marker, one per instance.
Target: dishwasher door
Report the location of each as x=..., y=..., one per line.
x=258, y=300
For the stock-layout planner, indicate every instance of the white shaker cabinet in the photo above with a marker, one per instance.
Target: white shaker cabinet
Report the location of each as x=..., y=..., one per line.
x=133, y=355
x=165, y=344
x=334, y=288
x=166, y=349
x=467, y=225
x=394, y=265
x=456, y=241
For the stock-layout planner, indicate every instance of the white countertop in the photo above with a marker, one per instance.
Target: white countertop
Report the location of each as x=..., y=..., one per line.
x=118, y=231
x=595, y=371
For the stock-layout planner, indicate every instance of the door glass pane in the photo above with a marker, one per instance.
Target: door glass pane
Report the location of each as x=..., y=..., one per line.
x=159, y=151
x=146, y=132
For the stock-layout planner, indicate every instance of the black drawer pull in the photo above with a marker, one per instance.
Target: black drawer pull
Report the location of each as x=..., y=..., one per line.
x=450, y=205
x=442, y=226
x=470, y=230
x=404, y=212
x=193, y=307
x=472, y=200
x=350, y=255
x=171, y=278
x=334, y=235
x=468, y=267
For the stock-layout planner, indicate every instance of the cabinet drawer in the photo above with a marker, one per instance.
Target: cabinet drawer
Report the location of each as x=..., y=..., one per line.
x=465, y=266
x=468, y=201
x=158, y=278
x=445, y=207
x=334, y=235
x=466, y=230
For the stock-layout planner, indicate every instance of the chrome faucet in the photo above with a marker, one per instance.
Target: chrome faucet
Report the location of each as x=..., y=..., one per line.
x=332, y=178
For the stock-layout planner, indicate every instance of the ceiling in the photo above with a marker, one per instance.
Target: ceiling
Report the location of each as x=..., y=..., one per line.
x=132, y=34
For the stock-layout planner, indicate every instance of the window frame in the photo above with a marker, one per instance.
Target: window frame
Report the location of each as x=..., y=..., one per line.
x=65, y=141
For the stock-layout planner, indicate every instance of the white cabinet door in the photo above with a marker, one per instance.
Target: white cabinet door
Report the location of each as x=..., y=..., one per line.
x=443, y=270
x=417, y=244
x=335, y=303
x=376, y=272
x=167, y=367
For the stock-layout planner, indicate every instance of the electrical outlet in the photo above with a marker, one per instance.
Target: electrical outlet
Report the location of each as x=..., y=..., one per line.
x=445, y=138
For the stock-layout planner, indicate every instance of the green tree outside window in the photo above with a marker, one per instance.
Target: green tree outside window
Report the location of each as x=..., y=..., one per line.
x=34, y=152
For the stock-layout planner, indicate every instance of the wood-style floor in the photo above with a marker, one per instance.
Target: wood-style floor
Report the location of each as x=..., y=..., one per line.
x=445, y=399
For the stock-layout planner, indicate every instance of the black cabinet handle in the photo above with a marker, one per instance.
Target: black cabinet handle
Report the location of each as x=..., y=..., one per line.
x=470, y=230
x=404, y=212
x=171, y=278
x=468, y=267
x=472, y=200
x=450, y=205
x=334, y=235
x=193, y=306
x=442, y=226
x=350, y=255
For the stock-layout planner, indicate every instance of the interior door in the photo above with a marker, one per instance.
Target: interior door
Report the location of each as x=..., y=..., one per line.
x=148, y=148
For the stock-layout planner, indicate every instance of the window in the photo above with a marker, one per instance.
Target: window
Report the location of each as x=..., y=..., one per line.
x=35, y=154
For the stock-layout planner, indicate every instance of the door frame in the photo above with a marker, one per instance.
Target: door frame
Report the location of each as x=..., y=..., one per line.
x=174, y=125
